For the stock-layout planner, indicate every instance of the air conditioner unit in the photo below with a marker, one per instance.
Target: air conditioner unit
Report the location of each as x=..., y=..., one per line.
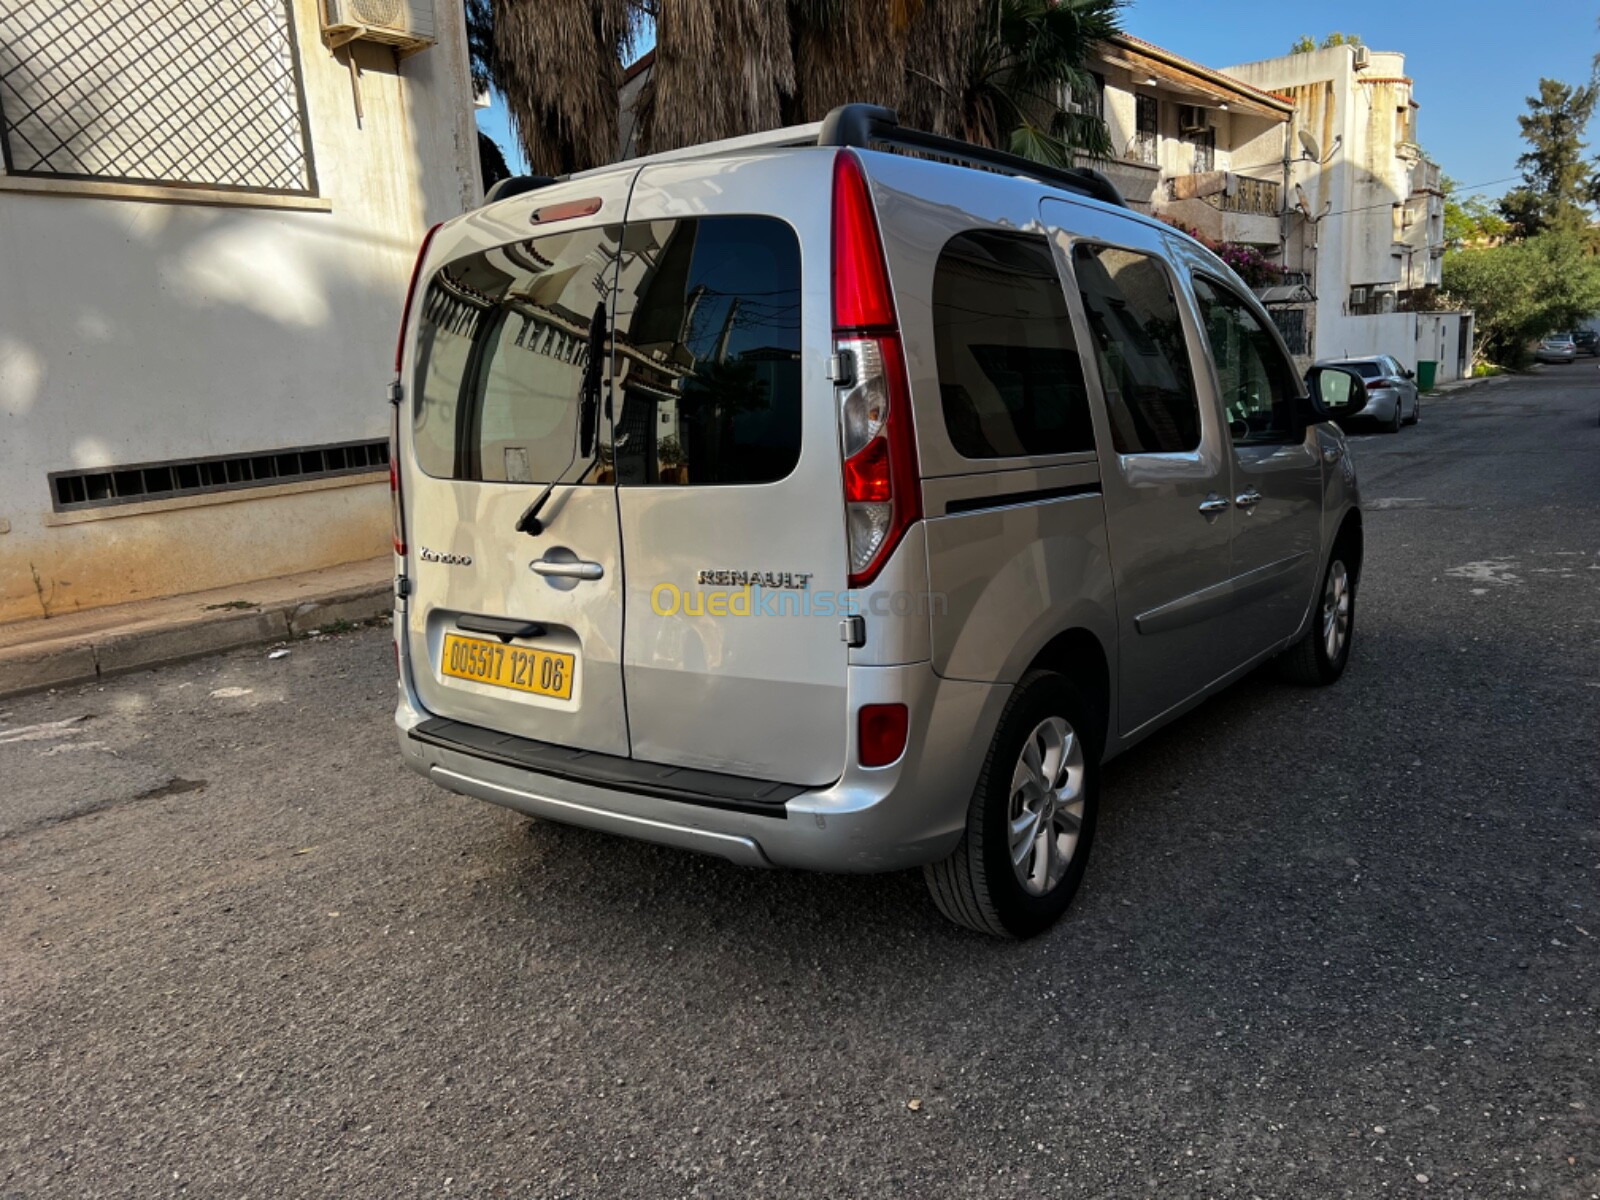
x=405, y=24
x=1358, y=297
x=1363, y=58
x=1192, y=119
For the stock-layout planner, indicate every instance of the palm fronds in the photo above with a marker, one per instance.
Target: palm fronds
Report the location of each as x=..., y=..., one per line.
x=1011, y=74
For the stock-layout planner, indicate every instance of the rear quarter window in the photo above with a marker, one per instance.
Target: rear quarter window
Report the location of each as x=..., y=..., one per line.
x=1010, y=378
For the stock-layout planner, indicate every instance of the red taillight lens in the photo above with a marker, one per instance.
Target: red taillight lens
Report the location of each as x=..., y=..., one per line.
x=867, y=475
x=396, y=507
x=861, y=296
x=411, y=290
x=882, y=733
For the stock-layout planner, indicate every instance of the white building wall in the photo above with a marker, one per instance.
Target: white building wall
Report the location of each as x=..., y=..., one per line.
x=134, y=331
x=1376, y=233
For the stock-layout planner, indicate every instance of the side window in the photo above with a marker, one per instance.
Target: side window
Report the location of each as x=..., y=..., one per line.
x=708, y=352
x=1257, y=383
x=1140, y=350
x=1010, y=378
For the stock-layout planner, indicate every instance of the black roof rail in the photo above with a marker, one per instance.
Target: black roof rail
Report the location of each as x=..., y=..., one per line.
x=864, y=125
x=516, y=185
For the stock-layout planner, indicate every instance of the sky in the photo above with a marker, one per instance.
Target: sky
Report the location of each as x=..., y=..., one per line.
x=1474, y=62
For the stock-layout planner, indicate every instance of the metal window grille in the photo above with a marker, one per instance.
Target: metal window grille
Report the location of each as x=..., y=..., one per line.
x=1146, y=142
x=199, y=93
x=1291, y=322
x=136, y=482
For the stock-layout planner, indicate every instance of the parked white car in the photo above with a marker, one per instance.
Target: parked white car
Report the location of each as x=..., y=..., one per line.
x=1557, y=349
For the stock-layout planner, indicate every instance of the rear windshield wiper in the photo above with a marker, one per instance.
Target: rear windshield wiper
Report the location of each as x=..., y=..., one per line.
x=588, y=414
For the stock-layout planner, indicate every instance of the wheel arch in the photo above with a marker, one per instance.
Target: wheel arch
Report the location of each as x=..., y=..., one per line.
x=1352, y=540
x=1078, y=654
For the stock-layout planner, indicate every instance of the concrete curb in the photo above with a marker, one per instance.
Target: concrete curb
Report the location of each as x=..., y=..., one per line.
x=67, y=662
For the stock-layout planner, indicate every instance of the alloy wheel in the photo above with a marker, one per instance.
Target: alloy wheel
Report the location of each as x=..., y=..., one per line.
x=1045, y=815
x=1336, y=611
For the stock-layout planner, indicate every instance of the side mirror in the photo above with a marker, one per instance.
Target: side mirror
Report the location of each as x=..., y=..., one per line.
x=1335, y=392
x=1408, y=372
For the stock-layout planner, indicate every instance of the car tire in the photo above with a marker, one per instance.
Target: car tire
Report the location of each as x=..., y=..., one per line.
x=982, y=885
x=1392, y=425
x=1315, y=660
x=1416, y=411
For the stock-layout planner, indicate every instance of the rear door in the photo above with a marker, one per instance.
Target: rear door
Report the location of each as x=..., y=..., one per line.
x=515, y=631
x=1166, y=472
x=730, y=495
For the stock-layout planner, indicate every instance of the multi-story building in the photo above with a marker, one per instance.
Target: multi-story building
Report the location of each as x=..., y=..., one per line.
x=208, y=216
x=1366, y=208
x=1210, y=153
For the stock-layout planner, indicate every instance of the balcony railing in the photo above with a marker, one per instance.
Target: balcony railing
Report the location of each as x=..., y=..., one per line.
x=1258, y=197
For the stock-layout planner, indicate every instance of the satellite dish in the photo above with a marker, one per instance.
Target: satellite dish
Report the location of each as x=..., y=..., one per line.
x=1309, y=145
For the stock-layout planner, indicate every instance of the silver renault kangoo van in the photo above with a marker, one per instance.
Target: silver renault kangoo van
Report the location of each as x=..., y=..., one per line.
x=842, y=498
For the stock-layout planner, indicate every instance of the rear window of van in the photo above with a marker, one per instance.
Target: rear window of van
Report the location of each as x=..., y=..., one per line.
x=672, y=348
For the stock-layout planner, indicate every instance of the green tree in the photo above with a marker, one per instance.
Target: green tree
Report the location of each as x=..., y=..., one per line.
x=1524, y=290
x=1305, y=43
x=1470, y=219
x=1557, y=179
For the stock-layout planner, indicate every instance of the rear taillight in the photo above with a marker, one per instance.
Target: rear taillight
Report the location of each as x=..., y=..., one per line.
x=395, y=504
x=881, y=490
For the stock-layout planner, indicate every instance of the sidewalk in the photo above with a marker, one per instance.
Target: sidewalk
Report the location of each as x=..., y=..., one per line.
x=1458, y=385
x=82, y=647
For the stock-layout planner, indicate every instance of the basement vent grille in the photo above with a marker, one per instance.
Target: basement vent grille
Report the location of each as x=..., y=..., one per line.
x=73, y=490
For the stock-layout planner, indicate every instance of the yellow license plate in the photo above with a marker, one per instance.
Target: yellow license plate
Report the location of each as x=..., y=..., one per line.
x=540, y=672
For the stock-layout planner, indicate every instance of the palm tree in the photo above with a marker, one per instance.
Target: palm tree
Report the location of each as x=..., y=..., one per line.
x=1002, y=73
x=1013, y=75
x=558, y=64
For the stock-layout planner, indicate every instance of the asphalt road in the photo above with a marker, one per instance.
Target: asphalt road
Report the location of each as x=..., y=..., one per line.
x=1336, y=943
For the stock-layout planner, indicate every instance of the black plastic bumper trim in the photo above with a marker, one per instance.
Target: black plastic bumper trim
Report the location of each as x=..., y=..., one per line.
x=686, y=786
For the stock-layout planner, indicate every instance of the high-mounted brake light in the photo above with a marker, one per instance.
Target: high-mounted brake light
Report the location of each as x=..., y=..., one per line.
x=566, y=211
x=882, y=491
x=411, y=290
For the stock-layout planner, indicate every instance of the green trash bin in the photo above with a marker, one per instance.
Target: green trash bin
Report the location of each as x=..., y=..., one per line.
x=1427, y=372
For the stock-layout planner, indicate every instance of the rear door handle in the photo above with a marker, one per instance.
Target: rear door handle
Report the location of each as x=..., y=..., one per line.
x=1247, y=500
x=1214, y=504
x=568, y=569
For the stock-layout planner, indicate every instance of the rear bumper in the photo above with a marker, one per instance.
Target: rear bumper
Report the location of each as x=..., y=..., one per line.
x=1380, y=406
x=885, y=819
